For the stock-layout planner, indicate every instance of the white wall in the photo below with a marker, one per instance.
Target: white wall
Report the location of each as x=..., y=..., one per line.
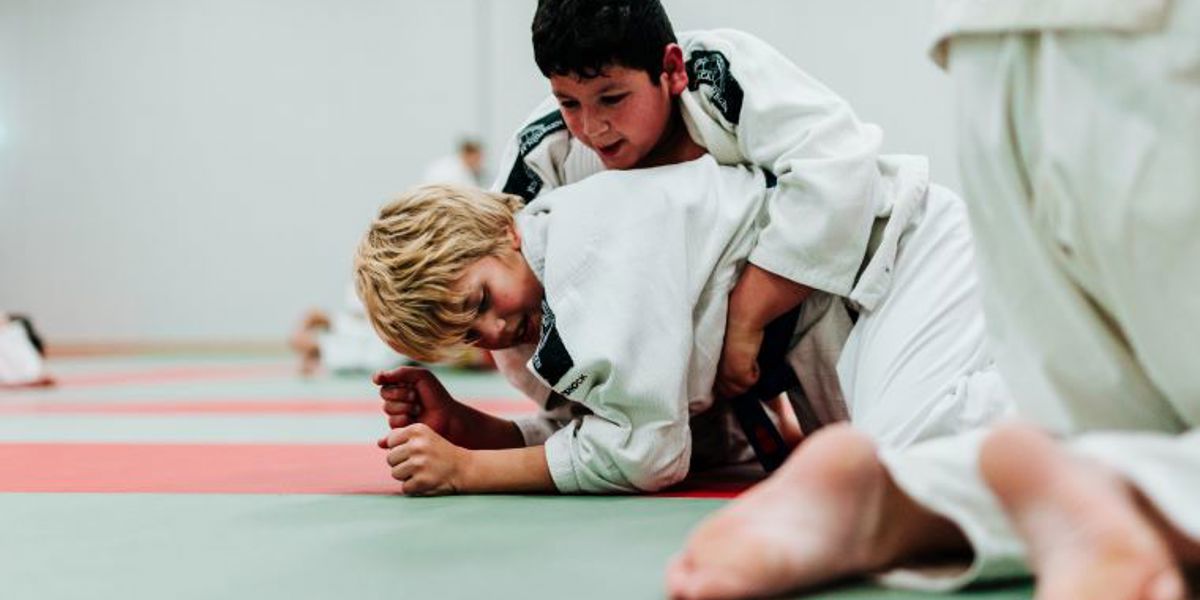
x=175, y=170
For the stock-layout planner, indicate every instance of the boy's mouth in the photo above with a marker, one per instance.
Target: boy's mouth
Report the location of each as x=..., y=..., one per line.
x=519, y=334
x=523, y=329
x=610, y=150
x=526, y=333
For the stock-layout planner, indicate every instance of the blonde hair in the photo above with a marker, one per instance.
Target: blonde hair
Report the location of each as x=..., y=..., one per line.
x=416, y=249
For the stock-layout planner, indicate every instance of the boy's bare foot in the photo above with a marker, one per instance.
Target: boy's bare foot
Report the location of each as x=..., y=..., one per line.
x=1087, y=536
x=829, y=512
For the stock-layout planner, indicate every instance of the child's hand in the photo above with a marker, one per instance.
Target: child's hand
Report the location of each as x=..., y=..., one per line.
x=414, y=395
x=738, y=368
x=425, y=463
x=758, y=298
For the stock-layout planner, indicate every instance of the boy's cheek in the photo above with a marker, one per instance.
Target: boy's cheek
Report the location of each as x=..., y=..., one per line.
x=577, y=131
x=579, y=136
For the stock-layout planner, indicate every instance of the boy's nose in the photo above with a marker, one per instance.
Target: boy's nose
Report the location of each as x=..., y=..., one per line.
x=593, y=124
x=493, y=329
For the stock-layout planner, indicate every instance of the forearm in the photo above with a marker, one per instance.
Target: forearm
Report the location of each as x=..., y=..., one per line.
x=510, y=470
x=477, y=430
x=760, y=296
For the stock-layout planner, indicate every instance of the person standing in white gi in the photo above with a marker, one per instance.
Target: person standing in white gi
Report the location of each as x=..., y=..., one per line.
x=1080, y=137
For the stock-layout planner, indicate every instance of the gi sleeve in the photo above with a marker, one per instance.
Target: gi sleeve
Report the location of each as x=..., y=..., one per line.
x=783, y=120
x=637, y=440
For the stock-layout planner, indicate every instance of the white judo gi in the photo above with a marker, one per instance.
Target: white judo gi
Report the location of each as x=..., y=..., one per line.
x=1080, y=137
x=637, y=267
x=20, y=362
x=914, y=364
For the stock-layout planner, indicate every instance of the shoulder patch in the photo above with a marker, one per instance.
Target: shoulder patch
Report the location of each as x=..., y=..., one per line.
x=522, y=181
x=711, y=68
x=551, y=359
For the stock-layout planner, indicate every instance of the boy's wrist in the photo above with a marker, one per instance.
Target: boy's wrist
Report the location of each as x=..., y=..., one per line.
x=746, y=315
x=474, y=429
x=466, y=471
x=748, y=308
x=513, y=470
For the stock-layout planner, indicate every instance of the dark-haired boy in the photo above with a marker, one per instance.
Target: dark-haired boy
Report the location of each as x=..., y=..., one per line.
x=627, y=93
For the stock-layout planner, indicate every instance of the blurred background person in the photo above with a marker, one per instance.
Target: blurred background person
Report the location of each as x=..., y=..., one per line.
x=342, y=341
x=21, y=353
x=464, y=167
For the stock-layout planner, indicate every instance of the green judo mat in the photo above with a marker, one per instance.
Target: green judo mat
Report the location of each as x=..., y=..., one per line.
x=182, y=447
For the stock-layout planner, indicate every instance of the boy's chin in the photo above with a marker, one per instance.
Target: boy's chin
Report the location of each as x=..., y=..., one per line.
x=509, y=345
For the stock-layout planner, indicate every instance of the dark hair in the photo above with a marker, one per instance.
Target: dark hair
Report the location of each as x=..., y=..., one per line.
x=582, y=37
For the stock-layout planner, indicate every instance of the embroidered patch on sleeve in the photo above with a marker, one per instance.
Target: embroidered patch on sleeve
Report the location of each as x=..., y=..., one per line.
x=711, y=68
x=522, y=181
x=551, y=359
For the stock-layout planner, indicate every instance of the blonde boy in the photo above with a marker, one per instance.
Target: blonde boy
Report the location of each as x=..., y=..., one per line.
x=621, y=280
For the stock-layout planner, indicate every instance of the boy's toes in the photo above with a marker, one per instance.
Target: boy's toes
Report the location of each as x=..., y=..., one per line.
x=689, y=581
x=684, y=581
x=677, y=577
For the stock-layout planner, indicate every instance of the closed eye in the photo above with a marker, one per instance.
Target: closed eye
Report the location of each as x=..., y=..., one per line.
x=613, y=99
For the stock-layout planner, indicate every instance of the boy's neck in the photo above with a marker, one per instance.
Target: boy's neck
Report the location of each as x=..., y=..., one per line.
x=675, y=145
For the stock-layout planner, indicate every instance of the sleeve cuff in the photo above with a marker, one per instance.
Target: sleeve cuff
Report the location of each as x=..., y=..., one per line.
x=789, y=267
x=558, y=459
x=535, y=429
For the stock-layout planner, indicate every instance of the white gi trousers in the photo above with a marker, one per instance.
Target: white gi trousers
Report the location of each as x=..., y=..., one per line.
x=1081, y=156
x=917, y=366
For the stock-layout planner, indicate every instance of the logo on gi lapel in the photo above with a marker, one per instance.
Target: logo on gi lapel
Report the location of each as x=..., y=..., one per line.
x=574, y=385
x=711, y=68
x=522, y=181
x=551, y=359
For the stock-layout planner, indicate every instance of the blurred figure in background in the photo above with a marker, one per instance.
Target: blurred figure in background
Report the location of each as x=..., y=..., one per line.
x=21, y=353
x=464, y=167
x=343, y=341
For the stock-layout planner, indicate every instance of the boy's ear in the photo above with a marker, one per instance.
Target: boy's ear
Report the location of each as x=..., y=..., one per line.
x=674, y=70
x=514, y=236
